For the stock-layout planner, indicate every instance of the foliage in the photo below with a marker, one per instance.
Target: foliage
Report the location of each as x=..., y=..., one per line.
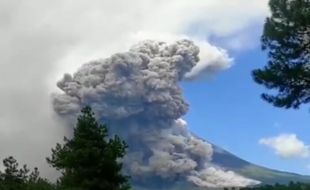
x=290, y=186
x=286, y=38
x=90, y=160
x=13, y=177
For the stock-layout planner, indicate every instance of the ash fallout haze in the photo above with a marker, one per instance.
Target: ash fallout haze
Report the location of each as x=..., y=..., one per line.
x=140, y=65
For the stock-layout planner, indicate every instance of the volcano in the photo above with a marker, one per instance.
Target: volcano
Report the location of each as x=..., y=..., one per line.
x=265, y=175
x=230, y=162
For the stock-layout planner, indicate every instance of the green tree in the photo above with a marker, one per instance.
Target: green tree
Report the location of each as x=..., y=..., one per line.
x=35, y=182
x=90, y=160
x=286, y=38
x=13, y=177
x=290, y=186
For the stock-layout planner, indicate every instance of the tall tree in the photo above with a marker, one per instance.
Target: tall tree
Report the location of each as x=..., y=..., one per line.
x=90, y=160
x=286, y=38
x=13, y=177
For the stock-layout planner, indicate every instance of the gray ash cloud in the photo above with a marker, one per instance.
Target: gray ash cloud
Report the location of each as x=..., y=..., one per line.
x=138, y=94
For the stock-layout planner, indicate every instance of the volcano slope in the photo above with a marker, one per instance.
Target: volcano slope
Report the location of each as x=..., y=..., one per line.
x=265, y=175
x=230, y=162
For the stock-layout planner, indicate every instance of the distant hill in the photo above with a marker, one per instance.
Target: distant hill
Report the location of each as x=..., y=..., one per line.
x=229, y=161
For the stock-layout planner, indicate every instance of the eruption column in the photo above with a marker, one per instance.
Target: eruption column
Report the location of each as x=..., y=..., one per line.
x=138, y=95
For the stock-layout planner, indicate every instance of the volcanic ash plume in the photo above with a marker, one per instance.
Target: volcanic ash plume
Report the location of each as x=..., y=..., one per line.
x=137, y=94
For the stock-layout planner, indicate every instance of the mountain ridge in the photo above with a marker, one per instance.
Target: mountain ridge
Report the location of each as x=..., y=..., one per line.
x=247, y=169
x=229, y=162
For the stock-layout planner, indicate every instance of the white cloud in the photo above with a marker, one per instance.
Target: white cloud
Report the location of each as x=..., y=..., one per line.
x=287, y=146
x=42, y=39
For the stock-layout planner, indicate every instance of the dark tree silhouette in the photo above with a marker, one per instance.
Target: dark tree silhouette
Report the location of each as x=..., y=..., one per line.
x=286, y=38
x=90, y=160
x=13, y=177
x=290, y=186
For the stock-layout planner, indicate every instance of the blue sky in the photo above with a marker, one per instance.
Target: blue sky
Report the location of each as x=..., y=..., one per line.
x=227, y=110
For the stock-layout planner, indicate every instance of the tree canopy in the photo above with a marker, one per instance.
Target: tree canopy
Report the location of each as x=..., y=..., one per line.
x=90, y=160
x=14, y=177
x=290, y=186
x=286, y=38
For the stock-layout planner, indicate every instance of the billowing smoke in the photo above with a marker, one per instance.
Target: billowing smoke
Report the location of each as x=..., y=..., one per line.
x=137, y=94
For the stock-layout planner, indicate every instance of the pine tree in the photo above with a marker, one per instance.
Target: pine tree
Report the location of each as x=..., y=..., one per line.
x=15, y=178
x=286, y=38
x=90, y=160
